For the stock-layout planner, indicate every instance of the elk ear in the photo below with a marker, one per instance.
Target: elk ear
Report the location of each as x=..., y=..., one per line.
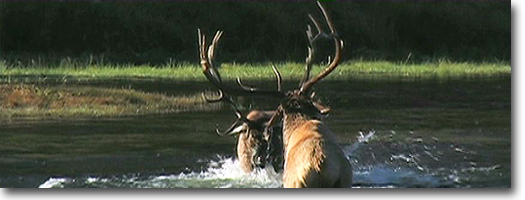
x=323, y=110
x=239, y=129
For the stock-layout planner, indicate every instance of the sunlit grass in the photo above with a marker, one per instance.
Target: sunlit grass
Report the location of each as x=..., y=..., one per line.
x=289, y=71
x=74, y=100
x=60, y=101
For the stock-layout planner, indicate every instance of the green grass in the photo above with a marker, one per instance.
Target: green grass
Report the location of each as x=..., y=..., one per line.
x=18, y=97
x=289, y=71
x=59, y=101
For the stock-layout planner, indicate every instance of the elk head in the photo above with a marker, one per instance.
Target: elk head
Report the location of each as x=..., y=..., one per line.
x=252, y=145
x=312, y=158
x=312, y=155
x=302, y=100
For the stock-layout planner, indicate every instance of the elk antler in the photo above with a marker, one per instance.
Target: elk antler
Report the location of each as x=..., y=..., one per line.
x=311, y=47
x=307, y=83
x=253, y=89
x=213, y=75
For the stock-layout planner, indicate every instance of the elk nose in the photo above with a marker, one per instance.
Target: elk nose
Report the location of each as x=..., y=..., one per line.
x=260, y=162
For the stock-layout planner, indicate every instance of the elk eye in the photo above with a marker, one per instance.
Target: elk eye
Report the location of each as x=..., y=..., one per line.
x=295, y=105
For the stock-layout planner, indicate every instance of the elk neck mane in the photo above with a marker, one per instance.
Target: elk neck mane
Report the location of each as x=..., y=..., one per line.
x=301, y=134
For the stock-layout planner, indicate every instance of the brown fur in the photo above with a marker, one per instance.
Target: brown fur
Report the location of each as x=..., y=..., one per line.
x=246, y=149
x=312, y=155
x=251, y=142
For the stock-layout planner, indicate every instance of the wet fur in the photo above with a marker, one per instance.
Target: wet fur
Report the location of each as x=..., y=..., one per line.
x=312, y=156
x=251, y=143
x=246, y=145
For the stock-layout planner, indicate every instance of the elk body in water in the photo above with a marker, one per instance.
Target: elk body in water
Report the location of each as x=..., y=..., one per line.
x=312, y=156
x=252, y=144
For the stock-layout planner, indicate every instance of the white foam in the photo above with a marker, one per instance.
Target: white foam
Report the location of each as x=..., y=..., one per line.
x=226, y=173
x=229, y=174
x=54, y=183
x=349, y=150
x=223, y=173
x=401, y=169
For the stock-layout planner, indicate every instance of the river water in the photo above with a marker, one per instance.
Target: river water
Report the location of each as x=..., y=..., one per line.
x=426, y=133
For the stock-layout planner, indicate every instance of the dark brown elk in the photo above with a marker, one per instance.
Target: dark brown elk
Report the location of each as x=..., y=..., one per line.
x=252, y=145
x=312, y=155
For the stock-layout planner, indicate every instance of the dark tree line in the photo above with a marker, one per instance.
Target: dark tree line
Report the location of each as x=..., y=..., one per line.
x=255, y=31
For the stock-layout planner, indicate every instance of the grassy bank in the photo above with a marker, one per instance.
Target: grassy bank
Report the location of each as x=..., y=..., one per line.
x=21, y=97
x=60, y=101
x=289, y=71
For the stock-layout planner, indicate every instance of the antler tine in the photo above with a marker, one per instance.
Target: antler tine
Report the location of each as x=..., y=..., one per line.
x=228, y=131
x=311, y=47
x=211, y=50
x=207, y=55
x=320, y=31
x=211, y=54
x=337, y=57
x=205, y=61
x=221, y=96
x=202, y=50
x=245, y=87
x=272, y=120
x=212, y=74
x=278, y=77
x=326, y=17
x=240, y=118
x=308, y=66
x=199, y=35
x=238, y=113
x=254, y=90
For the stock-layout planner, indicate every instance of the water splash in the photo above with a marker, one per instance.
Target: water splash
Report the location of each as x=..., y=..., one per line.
x=377, y=159
x=221, y=173
x=361, y=139
x=392, y=177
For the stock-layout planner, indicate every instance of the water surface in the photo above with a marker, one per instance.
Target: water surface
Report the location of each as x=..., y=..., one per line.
x=428, y=133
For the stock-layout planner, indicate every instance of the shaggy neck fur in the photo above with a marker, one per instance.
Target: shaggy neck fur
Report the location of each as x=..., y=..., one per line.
x=303, y=144
x=292, y=122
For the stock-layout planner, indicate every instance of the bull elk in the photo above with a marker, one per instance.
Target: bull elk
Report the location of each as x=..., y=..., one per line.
x=252, y=145
x=312, y=155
